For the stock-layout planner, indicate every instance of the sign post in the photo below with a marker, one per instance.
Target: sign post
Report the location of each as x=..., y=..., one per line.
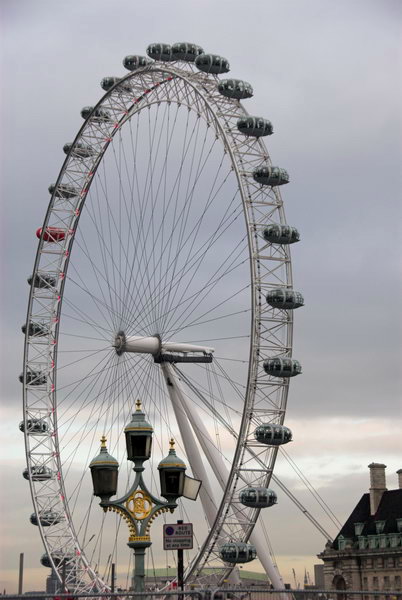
x=180, y=565
x=178, y=536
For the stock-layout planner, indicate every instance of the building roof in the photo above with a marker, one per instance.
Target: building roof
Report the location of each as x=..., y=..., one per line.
x=389, y=510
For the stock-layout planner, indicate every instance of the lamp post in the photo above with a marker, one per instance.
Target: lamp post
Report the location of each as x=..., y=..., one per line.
x=139, y=507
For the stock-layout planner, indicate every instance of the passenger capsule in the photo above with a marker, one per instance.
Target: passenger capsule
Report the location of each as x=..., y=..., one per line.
x=258, y=497
x=63, y=190
x=284, y=298
x=58, y=558
x=272, y=434
x=186, y=52
x=52, y=234
x=134, y=62
x=212, y=63
x=35, y=426
x=33, y=378
x=35, y=329
x=280, y=234
x=160, y=52
x=272, y=176
x=237, y=552
x=46, y=518
x=255, y=126
x=235, y=88
x=38, y=473
x=96, y=114
x=108, y=82
x=78, y=150
x=42, y=281
x=282, y=367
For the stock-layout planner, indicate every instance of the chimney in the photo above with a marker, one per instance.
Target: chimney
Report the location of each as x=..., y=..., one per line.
x=377, y=485
x=399, y=473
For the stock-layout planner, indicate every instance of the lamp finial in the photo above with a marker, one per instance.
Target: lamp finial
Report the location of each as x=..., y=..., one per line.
x=171, y=443
x=138, y=405
x=103, y=442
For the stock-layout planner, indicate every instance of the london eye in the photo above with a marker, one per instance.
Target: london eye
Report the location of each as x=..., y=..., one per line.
x=163, y=273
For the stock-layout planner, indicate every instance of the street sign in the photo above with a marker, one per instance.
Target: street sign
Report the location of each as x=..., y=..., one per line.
x=178, y=536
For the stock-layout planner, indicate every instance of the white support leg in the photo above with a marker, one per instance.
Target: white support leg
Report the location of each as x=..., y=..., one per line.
x=222, y=474
x=197, y=466
x=190, y=446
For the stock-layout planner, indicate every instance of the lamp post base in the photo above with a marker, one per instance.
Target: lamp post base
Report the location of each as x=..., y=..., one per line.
x=139, y=548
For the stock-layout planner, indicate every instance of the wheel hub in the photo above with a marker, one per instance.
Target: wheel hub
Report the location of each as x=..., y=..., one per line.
x=158, y=348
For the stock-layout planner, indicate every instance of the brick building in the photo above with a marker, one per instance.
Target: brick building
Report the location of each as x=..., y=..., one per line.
x=367, y=552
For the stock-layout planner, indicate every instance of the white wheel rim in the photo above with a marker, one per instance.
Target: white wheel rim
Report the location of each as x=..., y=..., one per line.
x=271, y=329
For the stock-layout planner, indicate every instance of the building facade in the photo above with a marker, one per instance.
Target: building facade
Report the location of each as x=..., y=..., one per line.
x=367, y=552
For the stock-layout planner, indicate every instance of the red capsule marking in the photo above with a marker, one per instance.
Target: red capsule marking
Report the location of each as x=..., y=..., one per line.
x=51, y=234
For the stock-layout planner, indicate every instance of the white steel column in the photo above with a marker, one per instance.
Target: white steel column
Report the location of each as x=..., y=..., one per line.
x=178, y=402
x=222, y=474
x=190, y=445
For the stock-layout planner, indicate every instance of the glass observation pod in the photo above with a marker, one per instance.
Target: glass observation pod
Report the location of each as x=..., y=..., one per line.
x=212, y=63
x=38, y=473
x=280, y=234
x=108, y=82
x=237, y=552
x=36, y=329
x=255, y=126
x=258, y=497
x=186, y=52
x=63, y=190
x=272, y=434
x=235, y=88
x=96, y=114
x=35, y=426
x=284, y=298
x=52, y=234
x=268, y=175
x=78, y=150
x=160, y=52
x=132, y=62
x=58, y=557
x=33, y=378
x=42, y=281
x=282, y=367
x=46, y=519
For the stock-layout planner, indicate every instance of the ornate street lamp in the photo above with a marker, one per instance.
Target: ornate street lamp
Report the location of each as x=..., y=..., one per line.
x=139, y=507
x=104, y=471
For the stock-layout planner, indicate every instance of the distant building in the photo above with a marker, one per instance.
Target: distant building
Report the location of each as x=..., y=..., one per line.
x=367, y=552
x=319, y=577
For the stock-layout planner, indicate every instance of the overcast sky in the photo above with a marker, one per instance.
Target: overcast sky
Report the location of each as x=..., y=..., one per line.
x=327, y=74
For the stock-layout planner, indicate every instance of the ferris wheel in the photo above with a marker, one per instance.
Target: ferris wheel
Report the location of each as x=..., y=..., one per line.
x=163, y=273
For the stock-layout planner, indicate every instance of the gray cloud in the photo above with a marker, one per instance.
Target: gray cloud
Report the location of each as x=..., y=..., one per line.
x=327, y=76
